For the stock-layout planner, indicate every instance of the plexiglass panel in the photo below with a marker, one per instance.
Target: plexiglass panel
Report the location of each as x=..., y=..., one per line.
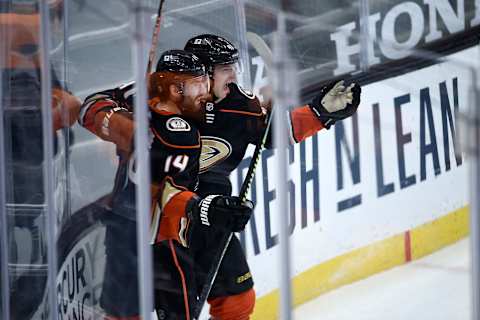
x=371, y=192
x=371, y=181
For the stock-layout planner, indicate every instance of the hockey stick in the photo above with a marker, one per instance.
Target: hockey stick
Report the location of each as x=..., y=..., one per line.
x=156, y=32
x=264, y=51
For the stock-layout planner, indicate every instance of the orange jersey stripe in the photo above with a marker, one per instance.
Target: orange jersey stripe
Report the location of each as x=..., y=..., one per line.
x=259, y=114
x=174, y=145
x=184, y=282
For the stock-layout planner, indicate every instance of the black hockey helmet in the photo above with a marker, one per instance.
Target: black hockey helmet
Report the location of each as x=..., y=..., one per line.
x=174, y=67
x=213, y=50
x=180, y=61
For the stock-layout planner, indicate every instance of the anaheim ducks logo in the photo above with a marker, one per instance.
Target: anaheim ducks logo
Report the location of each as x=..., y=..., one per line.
x=214, y=150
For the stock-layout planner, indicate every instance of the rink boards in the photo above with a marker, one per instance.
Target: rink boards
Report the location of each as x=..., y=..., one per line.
x=384, y=188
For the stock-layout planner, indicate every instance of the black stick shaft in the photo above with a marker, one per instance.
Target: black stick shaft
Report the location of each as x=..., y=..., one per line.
x=212, y=274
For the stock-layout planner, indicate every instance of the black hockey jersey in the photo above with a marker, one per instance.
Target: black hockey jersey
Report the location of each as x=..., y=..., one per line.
x=174, y=164
x=228, y=128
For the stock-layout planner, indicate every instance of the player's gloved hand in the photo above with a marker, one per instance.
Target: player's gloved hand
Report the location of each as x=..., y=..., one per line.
x=336, y=102
x=124, y=95
x=109, y=103
x=121, y=95
x=225, y=212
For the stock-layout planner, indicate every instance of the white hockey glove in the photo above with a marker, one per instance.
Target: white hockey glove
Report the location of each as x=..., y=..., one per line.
x=336, y=102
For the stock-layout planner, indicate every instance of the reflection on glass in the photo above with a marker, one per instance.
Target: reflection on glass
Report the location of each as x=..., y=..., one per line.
x=24, y=151
x=91, y=52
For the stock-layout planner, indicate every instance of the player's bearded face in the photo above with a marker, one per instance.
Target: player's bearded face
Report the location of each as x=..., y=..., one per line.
x=195, y=94
x=222, y=76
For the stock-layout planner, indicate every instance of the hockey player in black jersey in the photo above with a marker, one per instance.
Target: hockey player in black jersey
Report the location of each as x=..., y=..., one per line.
x=233, y=119
x=177, y=90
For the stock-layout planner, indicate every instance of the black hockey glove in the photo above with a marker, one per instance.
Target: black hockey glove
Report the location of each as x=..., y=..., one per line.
x=125, y=95
x=224, y=212
x=122, y=96
x=336, y=102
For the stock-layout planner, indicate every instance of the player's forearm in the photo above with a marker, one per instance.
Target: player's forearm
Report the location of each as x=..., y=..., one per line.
x=105, y=119
x=114, y=127
x=304, y=123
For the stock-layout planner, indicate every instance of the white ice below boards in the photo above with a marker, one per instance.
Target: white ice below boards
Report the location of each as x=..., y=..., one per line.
x=436, y=287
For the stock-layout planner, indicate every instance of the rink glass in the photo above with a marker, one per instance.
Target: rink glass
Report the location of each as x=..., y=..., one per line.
x=384, y=188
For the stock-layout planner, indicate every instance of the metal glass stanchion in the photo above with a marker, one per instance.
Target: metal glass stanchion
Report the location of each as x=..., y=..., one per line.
x=284, y=98
x=4, y=272
x=48, y=171
x=473, y=150
x=140, y=21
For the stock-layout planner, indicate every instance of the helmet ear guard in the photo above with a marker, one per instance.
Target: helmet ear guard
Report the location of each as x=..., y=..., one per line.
x=160, y=83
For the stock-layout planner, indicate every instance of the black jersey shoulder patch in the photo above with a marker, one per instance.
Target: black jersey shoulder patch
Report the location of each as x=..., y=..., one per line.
x=247, y=93
x=240, y=100
x=239, y=90
x=177, y=124
x=175, y=131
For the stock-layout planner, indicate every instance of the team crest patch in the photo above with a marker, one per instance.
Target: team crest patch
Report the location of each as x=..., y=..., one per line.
x=177, y=124
x=214, y=151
